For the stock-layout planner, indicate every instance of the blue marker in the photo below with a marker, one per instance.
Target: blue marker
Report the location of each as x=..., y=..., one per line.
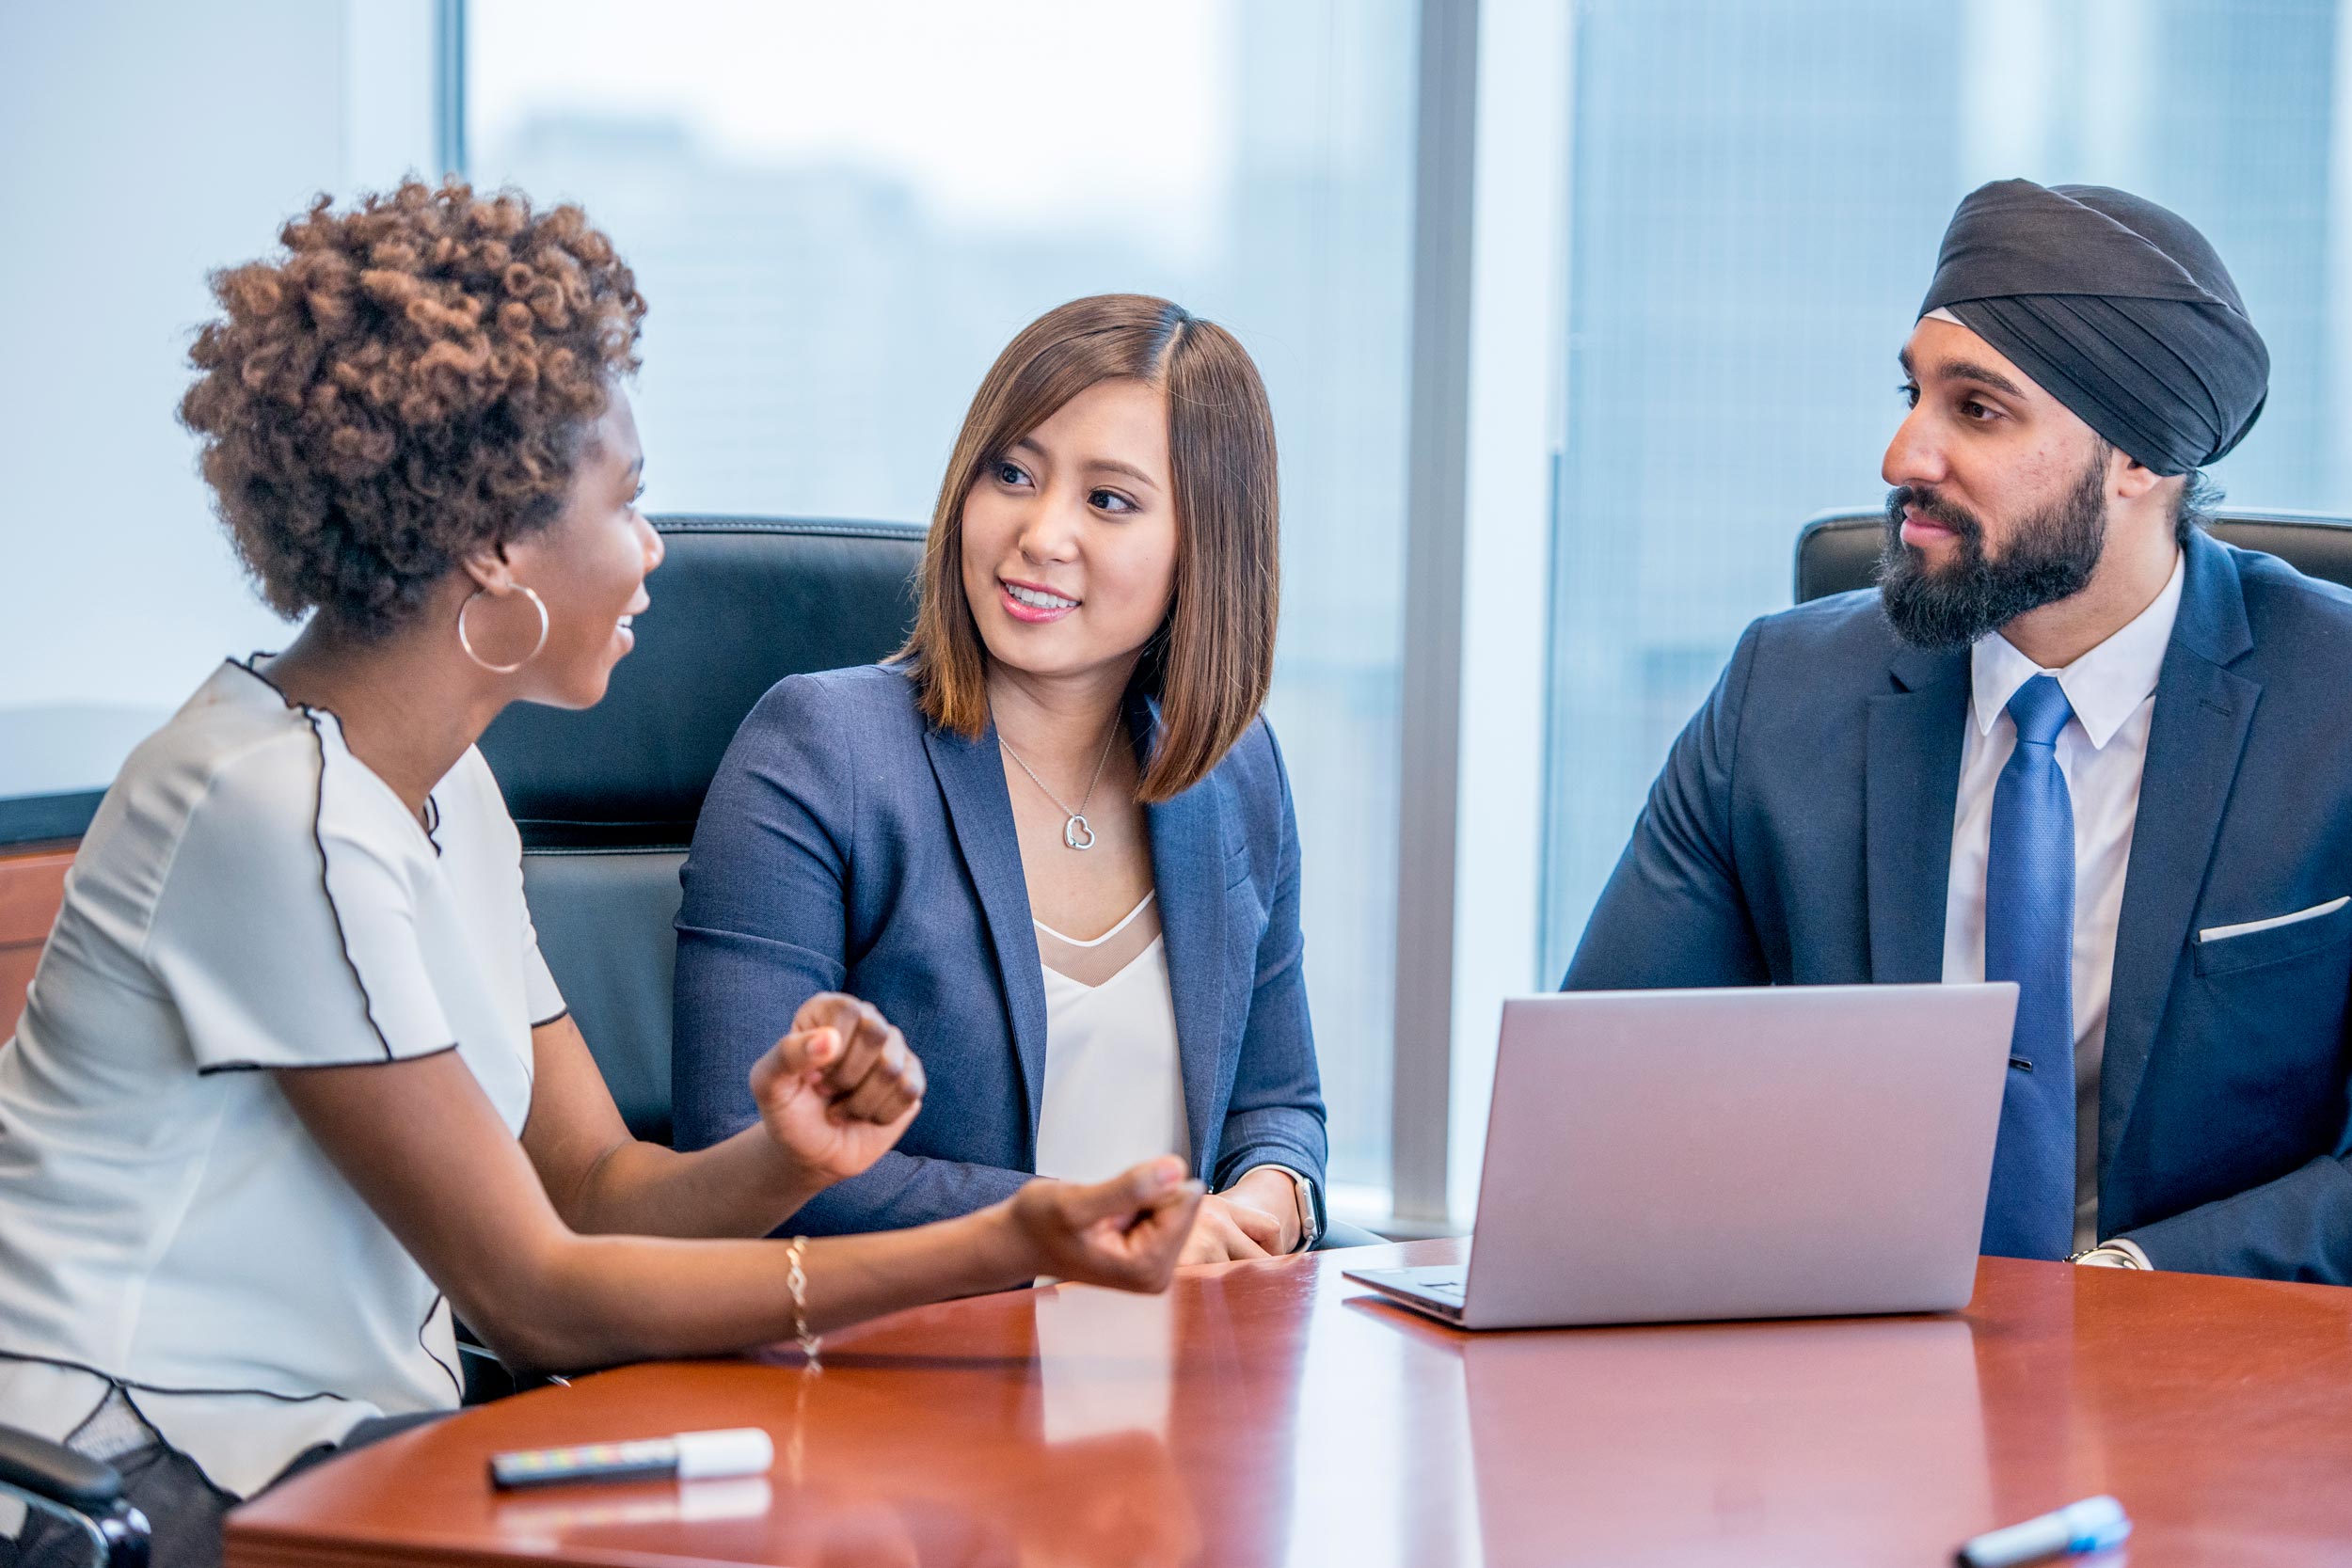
x=2092, y=1525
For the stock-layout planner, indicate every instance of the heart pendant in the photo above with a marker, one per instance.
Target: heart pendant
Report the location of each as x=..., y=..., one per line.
x=1075, y=834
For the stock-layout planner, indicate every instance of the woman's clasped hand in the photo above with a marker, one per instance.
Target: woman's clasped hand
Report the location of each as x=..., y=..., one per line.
x=837, y=1090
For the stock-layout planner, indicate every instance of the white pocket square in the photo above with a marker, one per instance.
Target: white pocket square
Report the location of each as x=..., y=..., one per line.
x=2223, y=933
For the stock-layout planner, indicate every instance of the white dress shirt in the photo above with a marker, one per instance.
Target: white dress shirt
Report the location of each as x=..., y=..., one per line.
x=2102, y=753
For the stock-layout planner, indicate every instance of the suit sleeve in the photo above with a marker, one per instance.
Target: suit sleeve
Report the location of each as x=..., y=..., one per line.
x=2299, y=1226
x=763, y=927
x=1275, y=1115
x=1672, y=913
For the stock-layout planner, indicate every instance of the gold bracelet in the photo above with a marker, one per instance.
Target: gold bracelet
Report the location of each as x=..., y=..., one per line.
x=796, y=1282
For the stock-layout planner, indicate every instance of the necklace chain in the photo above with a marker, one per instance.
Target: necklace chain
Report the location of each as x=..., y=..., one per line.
x=1076, y=831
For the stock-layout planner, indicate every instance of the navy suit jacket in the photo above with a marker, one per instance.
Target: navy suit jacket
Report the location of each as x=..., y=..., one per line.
x=1801, y=834
x=846, y=844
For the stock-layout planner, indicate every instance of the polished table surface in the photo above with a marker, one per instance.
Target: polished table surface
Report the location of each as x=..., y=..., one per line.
x=1277, y=1412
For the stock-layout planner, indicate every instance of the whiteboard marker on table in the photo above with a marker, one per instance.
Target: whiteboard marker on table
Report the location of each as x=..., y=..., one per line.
x=689, y=1456
x=2092, y=1525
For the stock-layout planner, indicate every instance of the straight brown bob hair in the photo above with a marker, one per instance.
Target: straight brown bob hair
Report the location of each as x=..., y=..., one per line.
x=1211, y=661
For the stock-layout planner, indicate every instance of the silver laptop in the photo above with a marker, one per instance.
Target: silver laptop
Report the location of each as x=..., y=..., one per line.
x=1669, y=1156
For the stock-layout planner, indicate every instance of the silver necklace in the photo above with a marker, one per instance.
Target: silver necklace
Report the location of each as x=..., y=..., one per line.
x=1075, y=832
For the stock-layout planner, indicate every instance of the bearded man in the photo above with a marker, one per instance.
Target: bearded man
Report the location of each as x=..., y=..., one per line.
x=2072, y=742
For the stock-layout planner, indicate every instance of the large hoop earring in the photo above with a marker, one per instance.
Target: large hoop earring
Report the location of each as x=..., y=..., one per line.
x=467, y=642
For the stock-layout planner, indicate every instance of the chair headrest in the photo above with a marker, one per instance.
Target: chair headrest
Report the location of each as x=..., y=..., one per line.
x=739, y=604
x=1838, y=552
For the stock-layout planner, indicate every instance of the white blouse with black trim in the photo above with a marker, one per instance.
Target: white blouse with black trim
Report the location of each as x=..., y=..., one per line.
x=249, y=897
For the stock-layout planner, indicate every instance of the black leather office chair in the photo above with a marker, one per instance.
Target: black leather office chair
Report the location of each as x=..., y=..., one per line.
x=52, y=1480
x=1838, y=552
x=606, y=799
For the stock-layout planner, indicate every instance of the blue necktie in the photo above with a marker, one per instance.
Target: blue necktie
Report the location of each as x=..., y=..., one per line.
x=2029, y=938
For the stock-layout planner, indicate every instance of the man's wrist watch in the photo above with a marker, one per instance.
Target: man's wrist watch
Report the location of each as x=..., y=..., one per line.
x=2106, y=1256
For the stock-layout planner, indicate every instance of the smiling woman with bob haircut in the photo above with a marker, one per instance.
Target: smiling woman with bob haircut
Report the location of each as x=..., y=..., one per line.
x=1053, y=837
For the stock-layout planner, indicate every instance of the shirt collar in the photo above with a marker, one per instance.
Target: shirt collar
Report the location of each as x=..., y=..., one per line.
x=2103, y=686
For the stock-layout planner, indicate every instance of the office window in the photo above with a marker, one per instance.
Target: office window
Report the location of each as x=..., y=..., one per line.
x=841, y=215
x=149, y=143
x=1758, y=195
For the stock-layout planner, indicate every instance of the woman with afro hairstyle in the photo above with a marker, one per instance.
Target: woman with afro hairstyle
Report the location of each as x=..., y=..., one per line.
x=292, y=1083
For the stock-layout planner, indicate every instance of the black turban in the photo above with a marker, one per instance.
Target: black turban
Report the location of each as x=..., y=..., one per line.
x=2116, y=308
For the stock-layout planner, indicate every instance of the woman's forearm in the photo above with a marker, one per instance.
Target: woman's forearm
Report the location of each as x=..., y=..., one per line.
x=609, y=1299
x=429, y=1154
x=747, y=1185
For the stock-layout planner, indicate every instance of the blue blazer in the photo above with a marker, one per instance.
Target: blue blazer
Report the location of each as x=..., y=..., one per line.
x=1801, y=834
x=846, y=844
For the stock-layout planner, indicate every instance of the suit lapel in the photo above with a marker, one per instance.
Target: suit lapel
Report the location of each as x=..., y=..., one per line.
x=971, y=781
x=2195, y=738
x=1912, y=782
x=1189, y=872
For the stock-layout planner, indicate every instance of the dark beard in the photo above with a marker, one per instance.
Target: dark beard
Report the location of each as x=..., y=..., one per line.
x=2051, y=557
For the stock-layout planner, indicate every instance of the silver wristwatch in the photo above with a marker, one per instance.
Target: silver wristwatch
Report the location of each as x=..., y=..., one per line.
x=1310, y=1209
x=2106, y=1249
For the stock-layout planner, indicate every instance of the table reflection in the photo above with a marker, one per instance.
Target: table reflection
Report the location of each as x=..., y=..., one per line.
x=1700, y=1444
x=1106, y=1361
x=1046, y=1447
x=534, y=1522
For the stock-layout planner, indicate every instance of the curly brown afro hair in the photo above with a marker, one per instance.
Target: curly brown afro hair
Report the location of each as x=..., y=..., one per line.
x=412, y=382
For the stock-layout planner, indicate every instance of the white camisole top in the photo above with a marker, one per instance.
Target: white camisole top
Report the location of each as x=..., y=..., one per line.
x=1114, y=1082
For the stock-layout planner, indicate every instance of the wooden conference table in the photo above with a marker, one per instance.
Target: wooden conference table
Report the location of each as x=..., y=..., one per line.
x=1275, y=1412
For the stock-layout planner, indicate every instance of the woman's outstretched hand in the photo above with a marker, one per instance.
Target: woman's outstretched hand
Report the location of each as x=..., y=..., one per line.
x=1125, y=1232
x=837, y=1090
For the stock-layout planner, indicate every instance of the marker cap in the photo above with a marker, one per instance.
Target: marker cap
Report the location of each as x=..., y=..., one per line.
x=731, y=1452
x=2094, y=1524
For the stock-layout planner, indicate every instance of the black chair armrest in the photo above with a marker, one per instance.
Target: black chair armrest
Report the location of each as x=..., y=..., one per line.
x=1339, y=1233
x=487, y=1378
x=54, y=1471
x=83, y=1494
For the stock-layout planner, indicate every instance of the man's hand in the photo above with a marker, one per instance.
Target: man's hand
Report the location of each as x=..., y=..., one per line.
x=1124, y=1232
x=837, y=1090
x=1255, y=1217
